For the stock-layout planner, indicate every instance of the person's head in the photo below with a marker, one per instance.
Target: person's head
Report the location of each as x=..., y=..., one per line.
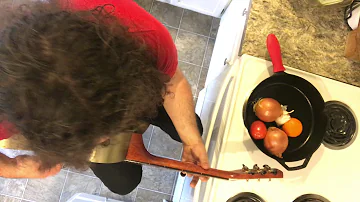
x=67, y=79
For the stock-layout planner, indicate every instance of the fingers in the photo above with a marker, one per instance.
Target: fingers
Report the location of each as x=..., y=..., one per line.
x=204, y=161
x=203, y=178
x=183, y=174
x=189, y=160
x=194, y=181
x=205, y=165
x=57, y=168
x=53, y=171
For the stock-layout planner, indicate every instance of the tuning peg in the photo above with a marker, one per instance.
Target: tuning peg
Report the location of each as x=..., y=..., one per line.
x=266, y=167
x=263, y=172
x=274, y=171
x=258, y=179
x=252, y=172
x=245, y=168
x=256, y=167
x=269, y=179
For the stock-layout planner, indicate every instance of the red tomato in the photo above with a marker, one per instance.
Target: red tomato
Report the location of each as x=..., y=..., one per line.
x=258, y=130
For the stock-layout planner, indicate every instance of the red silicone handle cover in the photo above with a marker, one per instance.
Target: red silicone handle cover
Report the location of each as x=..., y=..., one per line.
x=274, y=50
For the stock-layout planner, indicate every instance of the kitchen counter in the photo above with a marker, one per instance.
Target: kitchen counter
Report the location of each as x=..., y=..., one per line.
x=311, y=38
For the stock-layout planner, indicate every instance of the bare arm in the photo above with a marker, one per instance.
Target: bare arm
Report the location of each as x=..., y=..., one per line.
x=7, y=166
x=180, y=107
x=24, y=167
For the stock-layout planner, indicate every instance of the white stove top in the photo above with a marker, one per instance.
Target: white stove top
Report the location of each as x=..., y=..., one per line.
x=333, y=174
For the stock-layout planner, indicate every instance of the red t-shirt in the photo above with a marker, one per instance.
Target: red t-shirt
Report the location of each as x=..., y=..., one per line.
x=141, y=24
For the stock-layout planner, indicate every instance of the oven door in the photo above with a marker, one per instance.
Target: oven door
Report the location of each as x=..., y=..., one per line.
x=214, y=108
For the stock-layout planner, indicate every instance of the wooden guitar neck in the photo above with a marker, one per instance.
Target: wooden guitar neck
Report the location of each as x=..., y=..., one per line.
x=137, y=153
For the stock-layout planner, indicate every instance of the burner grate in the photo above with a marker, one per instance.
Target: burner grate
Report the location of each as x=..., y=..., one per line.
x=341, y=125
x=246, y=197
x=311, y=198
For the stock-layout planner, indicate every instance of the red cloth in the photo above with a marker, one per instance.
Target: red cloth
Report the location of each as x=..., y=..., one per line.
x=141, y=24
x=6, y=130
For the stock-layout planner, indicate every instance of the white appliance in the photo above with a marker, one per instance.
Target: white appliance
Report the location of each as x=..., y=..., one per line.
x=333, y=174
x=224, y=58
x=330, y=173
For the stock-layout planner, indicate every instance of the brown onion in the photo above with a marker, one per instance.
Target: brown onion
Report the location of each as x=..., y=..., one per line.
x=268, y=109
x=276, y=141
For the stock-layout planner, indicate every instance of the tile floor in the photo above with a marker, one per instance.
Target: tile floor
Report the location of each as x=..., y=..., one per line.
x=194, y=35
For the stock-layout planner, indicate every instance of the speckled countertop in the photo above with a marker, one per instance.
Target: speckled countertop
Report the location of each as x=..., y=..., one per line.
x=312, y=38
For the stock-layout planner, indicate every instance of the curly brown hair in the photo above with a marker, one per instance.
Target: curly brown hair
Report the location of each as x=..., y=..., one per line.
x=69, y=78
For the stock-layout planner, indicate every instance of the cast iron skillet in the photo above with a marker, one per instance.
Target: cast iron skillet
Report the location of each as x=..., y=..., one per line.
x=299, y=95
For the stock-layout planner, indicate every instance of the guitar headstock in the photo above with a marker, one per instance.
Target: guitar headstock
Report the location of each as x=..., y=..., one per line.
x=266, y=172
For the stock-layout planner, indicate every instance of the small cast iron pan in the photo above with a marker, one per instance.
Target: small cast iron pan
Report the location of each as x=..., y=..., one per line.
x=299, y=95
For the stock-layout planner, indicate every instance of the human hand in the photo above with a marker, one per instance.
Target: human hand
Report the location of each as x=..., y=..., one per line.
x=29, y=167
x=196, y=153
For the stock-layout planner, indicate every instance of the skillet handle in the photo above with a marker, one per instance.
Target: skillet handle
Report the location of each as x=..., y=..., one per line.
x=282, y=162
x=274, y=50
